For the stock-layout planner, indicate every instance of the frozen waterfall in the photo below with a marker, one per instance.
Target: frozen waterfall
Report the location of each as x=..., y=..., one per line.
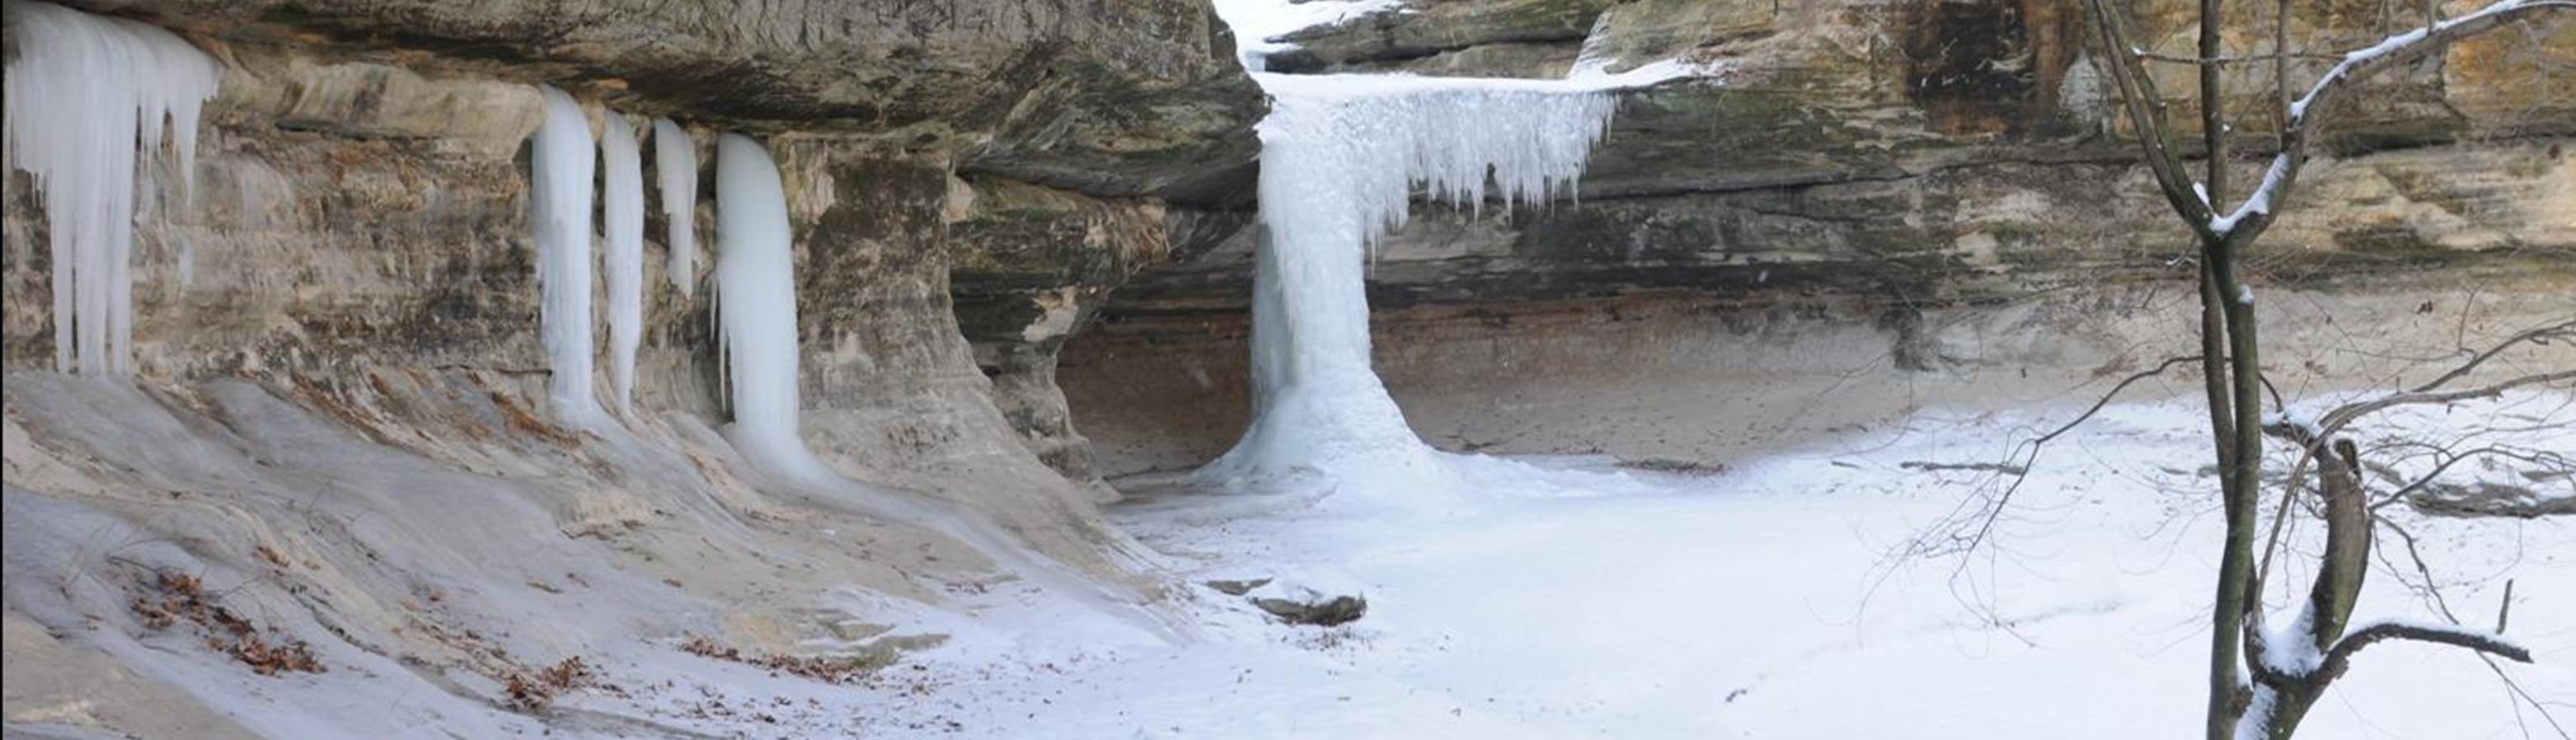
x=1341, y=156
x=560, y=190
x=85, y=93
x=756, y=309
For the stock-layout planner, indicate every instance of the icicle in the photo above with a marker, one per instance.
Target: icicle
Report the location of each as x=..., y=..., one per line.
x=756, y=309
x=560, y=190
x=623, y=202
x=675, y=166
x=1340, y=158
x=84, y=93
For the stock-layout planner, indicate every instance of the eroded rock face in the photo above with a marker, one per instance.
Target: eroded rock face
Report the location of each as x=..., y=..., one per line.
x=1032, y=267
x=345, y=321
x=361, y=199
x=1422, y=30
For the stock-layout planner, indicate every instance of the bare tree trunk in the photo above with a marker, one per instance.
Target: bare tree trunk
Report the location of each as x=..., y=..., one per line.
x=2237, y=607
x=2235, y=566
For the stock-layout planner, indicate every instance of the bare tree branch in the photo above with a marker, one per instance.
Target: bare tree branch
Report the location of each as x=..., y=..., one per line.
x=2337, y=419
x=2340, y=658
x=2232, y=58
x=2433, y=592
x=2564, y=330
x=2146, y=112
x=2028, y=452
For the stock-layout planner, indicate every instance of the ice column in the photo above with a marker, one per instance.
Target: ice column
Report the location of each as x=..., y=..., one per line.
x=623, y=203
x=756, y=309
x=675, y=167
x=560, y=185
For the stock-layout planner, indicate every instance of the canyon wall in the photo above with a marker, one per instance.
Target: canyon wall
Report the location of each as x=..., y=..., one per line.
x=1866, y=172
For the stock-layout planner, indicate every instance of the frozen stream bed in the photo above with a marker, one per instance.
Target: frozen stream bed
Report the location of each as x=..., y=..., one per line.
x=1564, y=598
x=1536, y=598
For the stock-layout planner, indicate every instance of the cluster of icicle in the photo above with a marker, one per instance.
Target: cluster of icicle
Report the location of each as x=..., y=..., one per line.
x=1340, y=160
x=754, y=277
x=560, y=181
x=85, y=95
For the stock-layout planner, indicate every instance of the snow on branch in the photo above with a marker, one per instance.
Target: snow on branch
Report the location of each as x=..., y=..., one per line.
x=2364, y=635
x=2275, y=179
x=2394, y=51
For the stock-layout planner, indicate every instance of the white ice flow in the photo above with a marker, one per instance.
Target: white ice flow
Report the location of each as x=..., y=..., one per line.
x=623, y=196
x=83, y=92
x=675, y=168
x=756, y=309
x=560, y=190
x=1340, y=159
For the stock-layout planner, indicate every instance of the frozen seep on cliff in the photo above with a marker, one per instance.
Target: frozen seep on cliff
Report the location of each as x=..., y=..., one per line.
x=755, y=311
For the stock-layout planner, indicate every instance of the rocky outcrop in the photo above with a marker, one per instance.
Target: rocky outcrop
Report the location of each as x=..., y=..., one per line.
x=1031, y=266
x=1517, y=34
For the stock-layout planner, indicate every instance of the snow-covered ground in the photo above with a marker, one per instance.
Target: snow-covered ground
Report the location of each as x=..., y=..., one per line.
x=1543, y=598
x=1565, y=597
